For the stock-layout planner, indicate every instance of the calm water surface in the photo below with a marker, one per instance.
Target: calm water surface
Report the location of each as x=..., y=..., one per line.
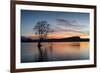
x=55, y=51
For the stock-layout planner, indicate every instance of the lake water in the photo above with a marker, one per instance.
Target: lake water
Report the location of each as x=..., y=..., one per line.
x=54, y=51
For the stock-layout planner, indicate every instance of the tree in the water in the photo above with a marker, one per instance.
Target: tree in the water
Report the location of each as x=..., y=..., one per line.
x=41, y=29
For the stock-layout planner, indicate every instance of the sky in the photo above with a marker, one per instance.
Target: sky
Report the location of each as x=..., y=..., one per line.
x=64, y=24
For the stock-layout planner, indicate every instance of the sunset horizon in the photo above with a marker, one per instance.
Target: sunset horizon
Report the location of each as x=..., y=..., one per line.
x=64, y=24
x=55, y=37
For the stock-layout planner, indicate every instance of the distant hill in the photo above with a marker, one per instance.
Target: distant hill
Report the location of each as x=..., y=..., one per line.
x=70, y=39
x=26, y=39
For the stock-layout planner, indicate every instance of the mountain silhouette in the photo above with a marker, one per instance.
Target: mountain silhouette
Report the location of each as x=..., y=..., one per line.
x=69, y=39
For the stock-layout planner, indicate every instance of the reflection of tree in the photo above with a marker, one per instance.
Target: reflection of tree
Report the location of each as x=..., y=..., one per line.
x=42, y=28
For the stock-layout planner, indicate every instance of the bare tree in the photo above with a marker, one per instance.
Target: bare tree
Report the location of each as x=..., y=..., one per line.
x=41, y=29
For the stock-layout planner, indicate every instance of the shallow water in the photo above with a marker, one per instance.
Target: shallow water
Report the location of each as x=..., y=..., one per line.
x=54, y=51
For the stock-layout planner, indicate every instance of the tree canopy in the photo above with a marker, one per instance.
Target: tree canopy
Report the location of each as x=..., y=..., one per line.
x=42, y=28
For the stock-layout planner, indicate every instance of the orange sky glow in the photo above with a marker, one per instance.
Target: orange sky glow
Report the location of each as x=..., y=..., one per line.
x=63, y=35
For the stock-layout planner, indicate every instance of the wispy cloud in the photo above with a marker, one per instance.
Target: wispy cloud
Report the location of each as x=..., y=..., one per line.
x=63, y=29
x=68, y=23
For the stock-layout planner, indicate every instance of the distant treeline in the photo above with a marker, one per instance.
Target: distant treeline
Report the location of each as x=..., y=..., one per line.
x=70, y=39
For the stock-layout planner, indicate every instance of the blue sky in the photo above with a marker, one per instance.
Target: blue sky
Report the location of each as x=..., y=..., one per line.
x=68, y=23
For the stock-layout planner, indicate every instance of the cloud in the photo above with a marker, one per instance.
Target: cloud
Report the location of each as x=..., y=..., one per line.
x=68, y=26
x=68, y=23
x=61, y=29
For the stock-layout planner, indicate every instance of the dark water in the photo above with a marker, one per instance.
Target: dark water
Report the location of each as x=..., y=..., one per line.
x=55, y=51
